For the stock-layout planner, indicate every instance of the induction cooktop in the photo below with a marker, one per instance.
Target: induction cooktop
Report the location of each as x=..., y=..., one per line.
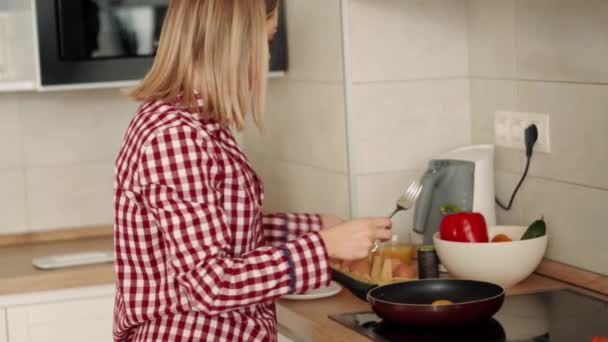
x=552, y=316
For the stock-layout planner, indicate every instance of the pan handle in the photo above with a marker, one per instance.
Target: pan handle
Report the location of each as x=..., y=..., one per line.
x=358, y=288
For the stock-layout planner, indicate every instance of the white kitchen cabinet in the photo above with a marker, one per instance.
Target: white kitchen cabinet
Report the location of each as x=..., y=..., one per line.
x=68, y=317
x=3, y=331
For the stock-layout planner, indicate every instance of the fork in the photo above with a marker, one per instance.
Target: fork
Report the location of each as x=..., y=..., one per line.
x=407, y=201
x=404, y=202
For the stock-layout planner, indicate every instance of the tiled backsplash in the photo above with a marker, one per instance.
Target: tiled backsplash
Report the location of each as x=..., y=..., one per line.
x=409, y=98
x=405, y=40
x=56, y=157
x=398, y=125
x=548, y=56
x=302, y=155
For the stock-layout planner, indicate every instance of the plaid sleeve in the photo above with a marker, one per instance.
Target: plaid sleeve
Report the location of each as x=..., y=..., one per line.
x=281, y=228
x=180, y=175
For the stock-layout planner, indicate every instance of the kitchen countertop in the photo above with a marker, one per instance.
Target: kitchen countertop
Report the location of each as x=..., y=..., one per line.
x=296, y=318
x=17, y=275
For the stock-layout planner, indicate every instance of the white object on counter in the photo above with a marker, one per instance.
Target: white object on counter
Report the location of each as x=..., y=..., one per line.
x=74, y=259
x=333, y=289
x=502, y=263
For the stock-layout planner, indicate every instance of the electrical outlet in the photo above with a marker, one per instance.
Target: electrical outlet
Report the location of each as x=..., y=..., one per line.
x=502, y=129
x=509, y=130
x=543, y=123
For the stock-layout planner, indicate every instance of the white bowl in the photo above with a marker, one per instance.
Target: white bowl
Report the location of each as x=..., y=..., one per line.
x=502, y=263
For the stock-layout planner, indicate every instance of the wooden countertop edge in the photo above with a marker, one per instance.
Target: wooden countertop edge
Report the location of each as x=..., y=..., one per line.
x=301, y=329
x=64, y=234
x=575, y=276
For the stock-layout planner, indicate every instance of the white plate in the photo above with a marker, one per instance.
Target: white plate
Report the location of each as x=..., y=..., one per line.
x=332, y=290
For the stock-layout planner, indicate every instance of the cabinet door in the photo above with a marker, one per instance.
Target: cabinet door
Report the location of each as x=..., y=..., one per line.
x=80, y=320
x=3, y=332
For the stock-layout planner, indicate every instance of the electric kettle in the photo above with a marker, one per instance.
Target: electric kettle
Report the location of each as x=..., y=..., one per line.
x=463, y=177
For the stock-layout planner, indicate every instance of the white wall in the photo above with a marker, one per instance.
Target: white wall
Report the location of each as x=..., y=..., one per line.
x=56, y=158
x=301, y=155
x=409, y=98
x=548, y=56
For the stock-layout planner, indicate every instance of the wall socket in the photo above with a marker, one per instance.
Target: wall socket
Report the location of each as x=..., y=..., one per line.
x=509, y=130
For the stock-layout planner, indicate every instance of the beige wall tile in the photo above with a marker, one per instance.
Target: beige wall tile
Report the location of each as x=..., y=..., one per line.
x=576, y=222
x=401, y=125
x=291, y=187
x=305, y=123
x=408, y=39
x=71, y=127
x=70, y=196
x=504, y=187
x=492, y=38
x=12, y=201
x=562, y=40
x=315, y=40
x=579, y=122
x=377, y=194
x=11, y=146
x=488, y=96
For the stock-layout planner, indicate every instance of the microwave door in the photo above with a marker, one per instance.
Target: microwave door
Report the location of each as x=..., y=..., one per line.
x=97, y=29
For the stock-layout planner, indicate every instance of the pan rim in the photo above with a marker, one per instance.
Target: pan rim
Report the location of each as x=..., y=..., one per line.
x=501, y=294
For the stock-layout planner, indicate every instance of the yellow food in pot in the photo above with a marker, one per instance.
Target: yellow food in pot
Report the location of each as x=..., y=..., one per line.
x=442, y=302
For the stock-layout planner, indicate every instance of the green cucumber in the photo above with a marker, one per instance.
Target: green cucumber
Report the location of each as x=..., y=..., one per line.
x=538, y=228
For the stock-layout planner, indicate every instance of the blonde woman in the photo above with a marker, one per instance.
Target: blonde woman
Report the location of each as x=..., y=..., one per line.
x=197, y=259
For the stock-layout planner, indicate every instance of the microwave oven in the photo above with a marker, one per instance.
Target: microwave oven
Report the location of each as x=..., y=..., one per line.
x=108, y=41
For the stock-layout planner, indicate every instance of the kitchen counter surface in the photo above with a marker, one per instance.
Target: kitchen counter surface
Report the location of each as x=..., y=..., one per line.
x=17, y=275
x=296, y=318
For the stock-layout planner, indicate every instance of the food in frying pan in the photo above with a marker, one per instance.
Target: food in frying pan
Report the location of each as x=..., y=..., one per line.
x=405, y=271
x=442, y=302
x=473, y=301
x=360, y=266
x=390, y=264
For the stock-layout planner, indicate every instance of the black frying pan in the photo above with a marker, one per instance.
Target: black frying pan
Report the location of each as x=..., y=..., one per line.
x=409, y=303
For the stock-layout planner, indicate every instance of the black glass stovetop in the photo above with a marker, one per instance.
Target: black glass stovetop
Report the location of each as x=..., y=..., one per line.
x=552, y=316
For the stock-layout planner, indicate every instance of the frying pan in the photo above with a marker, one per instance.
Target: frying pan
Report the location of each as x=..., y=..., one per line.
x=409, y=303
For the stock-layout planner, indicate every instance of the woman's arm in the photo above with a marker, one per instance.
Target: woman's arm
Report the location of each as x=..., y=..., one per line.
x=281, y=228
x=179, y=174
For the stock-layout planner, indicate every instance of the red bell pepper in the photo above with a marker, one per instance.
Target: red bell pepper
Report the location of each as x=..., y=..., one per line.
x=462, y=226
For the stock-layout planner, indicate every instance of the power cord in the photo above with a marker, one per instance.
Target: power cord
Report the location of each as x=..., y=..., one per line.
x=531, y=136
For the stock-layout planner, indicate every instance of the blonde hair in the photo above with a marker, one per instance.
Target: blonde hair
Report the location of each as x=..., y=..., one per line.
x=215, y=49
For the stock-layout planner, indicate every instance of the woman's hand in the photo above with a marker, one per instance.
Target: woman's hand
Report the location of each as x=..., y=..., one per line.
x=330, y=220
x=353, y=240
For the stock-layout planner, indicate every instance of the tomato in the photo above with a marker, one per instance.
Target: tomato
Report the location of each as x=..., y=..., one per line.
x=599, y=339
x=501, y=238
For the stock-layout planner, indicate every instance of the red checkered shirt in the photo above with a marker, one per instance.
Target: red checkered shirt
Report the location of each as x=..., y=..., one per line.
x=196, y=257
